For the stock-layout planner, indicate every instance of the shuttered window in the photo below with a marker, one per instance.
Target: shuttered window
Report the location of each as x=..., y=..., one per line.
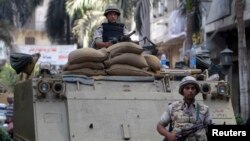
x=29, y=40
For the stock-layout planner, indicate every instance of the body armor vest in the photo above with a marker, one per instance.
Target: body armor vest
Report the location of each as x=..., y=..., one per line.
x=181, y=120
x=112, y=31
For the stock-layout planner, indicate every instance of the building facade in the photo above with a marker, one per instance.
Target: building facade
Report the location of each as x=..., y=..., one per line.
x=219, y=26
x=34, y=31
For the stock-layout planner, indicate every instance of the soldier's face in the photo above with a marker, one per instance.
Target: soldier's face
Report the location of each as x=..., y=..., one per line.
x=112, y=17
x=189, y=91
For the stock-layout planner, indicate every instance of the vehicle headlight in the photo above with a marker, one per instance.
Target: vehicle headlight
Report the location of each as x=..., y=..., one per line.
x=222, y=88
x=43, y=87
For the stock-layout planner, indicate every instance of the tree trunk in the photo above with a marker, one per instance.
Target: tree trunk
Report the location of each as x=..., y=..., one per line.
x=189, y=26
x=242, y=58
x=68, y=33
x=189, y=33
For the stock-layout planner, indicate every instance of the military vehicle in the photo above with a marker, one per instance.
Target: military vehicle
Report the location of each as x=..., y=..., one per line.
x=106, y=108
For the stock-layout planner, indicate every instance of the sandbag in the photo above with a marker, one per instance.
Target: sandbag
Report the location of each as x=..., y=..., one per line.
x=86, y=71
x=64, y=67
x=124, y=47
x=86, y=55
x=153, y=62
x=126, y=70
x=128, y=59
x=91, y=65
x=103, y=50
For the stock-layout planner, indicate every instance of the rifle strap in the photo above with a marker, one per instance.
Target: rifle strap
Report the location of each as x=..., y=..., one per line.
x=197, y=112
x=171, y=122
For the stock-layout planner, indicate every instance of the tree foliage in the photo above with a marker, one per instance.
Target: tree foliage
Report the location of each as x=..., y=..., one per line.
x=85, y=15
x=8, y=76
x=17, y=10
x=239, y=119
x=84, y=6
x=55, y=22
x=5, y=33
x=195, y=8
x=14, y=13
x=4, y=136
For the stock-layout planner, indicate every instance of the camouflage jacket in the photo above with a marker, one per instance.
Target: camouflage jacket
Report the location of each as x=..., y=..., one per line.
x=181, y=117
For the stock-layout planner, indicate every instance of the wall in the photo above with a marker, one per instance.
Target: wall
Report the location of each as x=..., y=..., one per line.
x=159, y=30
x=35, y=27
x=228, y=21
x=226, y=34
x=41, y=38
x=167, y=30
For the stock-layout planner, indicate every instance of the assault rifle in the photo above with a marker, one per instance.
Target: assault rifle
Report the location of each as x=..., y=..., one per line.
x=122, y=38
x=184, y=133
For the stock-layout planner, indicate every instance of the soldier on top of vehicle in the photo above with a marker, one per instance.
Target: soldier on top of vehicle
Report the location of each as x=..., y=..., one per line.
x=109, y=32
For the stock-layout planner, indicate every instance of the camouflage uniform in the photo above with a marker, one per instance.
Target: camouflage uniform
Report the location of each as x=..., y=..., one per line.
x=181, y=116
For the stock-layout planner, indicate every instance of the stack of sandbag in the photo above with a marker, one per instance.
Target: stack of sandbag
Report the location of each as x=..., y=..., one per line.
x=126, y=59
x=86, y=61
x=153, y=63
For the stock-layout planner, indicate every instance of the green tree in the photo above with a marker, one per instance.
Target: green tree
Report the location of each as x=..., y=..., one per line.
x=78, y=17
x=86, y=15
x=14, y=13
x=8, y=76
x=5, y=33
x=4, y=136
x=239, y=119
x=57, y=22
x=63, y=14
x=192, y=10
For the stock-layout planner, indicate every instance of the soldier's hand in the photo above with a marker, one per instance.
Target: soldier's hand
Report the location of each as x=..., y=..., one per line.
x=124, y=39
x=171, y=137
x=107, y=44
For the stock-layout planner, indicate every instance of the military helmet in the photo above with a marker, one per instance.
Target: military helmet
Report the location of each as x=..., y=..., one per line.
x=188, y=80
x=112, y=8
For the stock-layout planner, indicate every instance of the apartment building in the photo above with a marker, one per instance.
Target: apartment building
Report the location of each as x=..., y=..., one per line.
x=221, y=30
x=219, y=25
x=33, y=38
x=34, y=31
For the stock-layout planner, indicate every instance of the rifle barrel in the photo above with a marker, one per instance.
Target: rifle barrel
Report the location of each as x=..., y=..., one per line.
x=130, y=34
x=186, y=132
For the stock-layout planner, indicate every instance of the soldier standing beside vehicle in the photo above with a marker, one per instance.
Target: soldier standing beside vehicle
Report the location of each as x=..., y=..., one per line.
x=185, y=114
x=106, y=34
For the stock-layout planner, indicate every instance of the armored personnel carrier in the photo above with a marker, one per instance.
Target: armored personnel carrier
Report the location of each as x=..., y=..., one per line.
x=106, y=108
x=124, y=104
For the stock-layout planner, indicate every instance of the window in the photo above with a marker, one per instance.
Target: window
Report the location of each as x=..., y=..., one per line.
x=29, y=40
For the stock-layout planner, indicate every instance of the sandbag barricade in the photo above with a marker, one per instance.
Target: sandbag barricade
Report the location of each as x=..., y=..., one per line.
x=126, y=59
x=86, y=61
x=136, y=60
x=121, y=59
x=153, y=62
x=124, y=47
x=86, y=55
x=127, y=70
